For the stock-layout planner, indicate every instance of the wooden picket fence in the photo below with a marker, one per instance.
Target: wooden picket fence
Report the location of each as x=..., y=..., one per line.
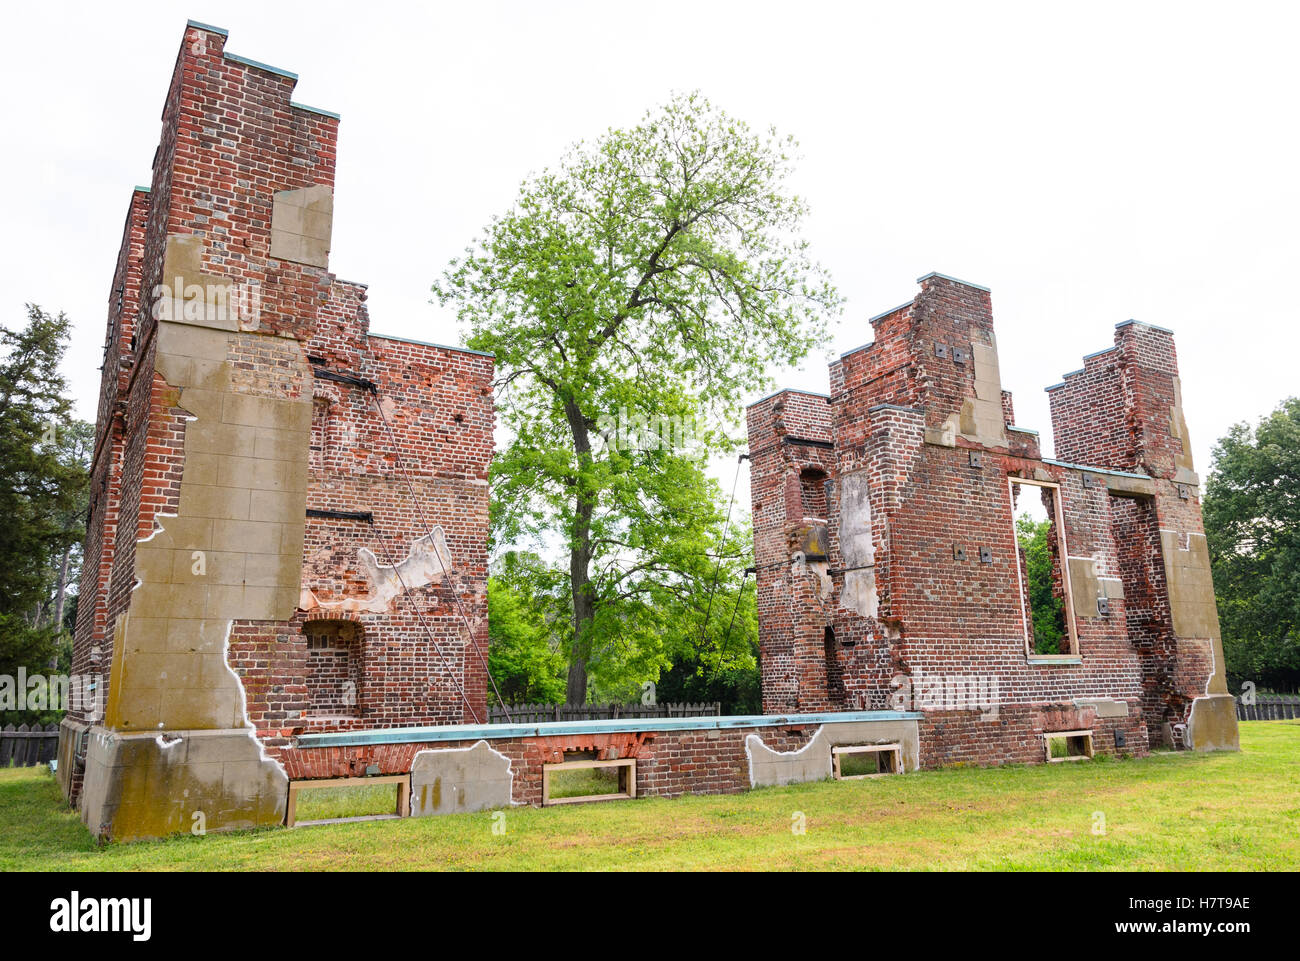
x=1269, y=709
x=538, y=713
x=24, y=746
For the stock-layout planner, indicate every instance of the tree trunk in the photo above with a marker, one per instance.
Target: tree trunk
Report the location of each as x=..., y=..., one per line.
x=580, y=562
x=61, y=589
x=576, y=691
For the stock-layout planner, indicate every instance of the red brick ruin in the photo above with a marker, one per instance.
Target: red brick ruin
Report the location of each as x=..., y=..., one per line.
x=888, y=565
x=286, y=559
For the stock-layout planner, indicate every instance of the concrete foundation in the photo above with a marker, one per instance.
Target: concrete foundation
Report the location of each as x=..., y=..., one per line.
x=152, y=785
x=1212, y=724
x=812, y=762
x=457, y=780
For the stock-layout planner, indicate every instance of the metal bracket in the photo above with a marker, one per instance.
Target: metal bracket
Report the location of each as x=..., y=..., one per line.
x=958, y=552
x=941, y=351
x=1103, y=607
x=349, y=379
x=986, y=555
x=366, y=516
x=976, y=459
x=959, y=355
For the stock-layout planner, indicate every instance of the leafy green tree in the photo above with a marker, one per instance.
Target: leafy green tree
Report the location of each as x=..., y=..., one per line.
x=526, y=654
x=725, y=671
x=654, y=278
x=1252, y=526
x=665, y=633
x=75, y=445
x=43, y=490
x=1046, y=608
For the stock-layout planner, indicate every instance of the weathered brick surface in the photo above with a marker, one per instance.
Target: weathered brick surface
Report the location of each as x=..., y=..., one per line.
x=413, y=452
x=966, y=737
x=420, y=463
x=904, y=417
x=669, y=763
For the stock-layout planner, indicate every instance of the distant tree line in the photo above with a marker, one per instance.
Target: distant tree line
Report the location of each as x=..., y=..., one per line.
x=1252, y=525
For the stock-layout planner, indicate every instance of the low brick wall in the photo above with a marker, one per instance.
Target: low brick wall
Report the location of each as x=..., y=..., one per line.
x=669, y=763
x=1014, y=735
x=699, y=756
x=715, y=759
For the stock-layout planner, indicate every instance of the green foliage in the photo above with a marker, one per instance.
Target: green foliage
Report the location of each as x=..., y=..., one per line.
x=526, y=659
x=725, y=670
x=664, y=640
x=663, y=619
x=43, y=497
x=737, y=688
x=1252, y=525
x=1046, y=608
x=316, y=804
x=654, y=278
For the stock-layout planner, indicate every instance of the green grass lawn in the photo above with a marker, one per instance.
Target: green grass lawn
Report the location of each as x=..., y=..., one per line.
x=1166, y=812
x=346, y=802
x=584, y=782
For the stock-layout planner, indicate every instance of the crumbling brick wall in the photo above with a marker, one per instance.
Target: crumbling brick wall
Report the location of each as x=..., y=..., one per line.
x=789, y=443
x=413, y=455
x=224, y=263
x=1123, y=410
x=921, y=455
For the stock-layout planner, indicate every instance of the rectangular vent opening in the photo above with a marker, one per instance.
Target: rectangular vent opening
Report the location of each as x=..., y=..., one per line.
x=342, y=799
x=579, y=781
x=1068, y=745
x=853, y=762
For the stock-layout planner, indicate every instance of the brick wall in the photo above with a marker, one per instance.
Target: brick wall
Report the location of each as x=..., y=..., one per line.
x=403, y=429
x=414, y=454
x=669, y=763
x=918, y=420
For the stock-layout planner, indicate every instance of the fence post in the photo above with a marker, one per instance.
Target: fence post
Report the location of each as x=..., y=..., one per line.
x=24, y=745
x=49, y=744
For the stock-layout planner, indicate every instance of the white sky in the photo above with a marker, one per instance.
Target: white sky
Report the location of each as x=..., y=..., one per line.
x=1088, y=162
